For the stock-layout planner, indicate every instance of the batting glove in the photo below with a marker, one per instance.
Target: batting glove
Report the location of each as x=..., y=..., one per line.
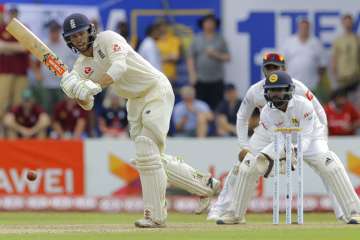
x=68, y=82
x=85, y=89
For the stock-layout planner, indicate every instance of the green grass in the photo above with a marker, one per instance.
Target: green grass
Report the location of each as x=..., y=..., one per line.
x=91, y=226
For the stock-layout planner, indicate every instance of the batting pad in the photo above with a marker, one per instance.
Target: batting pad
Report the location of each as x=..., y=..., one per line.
x=245, y=185
x=226, y=195
x=334, y=175
x=153, y=179
x=336, y=207
x=183, y=176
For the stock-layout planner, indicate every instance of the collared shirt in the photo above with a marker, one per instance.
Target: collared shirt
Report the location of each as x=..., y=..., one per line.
x=208, y=69
x=341, y=121
x=27, y=118
x=150, y=51
x=14, y=63
x=133, y=75
x=303, y=59
x=170, y=44
x=180, y=111
x=347, y=51
x=228, y=110
x=67, y=117
x=300, y=113
x=115, y=118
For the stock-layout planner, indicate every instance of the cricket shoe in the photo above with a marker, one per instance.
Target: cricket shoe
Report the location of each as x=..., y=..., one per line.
x=204, y=202
x=354, y=219
x=230, y=219
x=148, y=222
x=343, y=219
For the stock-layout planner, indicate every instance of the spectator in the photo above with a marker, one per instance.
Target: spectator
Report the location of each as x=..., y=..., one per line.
x=226, y=112
x=208, y=53
x=304, y=55
x=122, y=28
x=14, y=63
x=346, y=55
x=97, y=26
x=148, y=48
x=170, y=46
x=191, y=116
x=48, y=87
x=113, y=119
x=343, y=117
x=26, y=120
x=69, y=120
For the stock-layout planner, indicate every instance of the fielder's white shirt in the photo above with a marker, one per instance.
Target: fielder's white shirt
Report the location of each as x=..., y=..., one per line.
x=254, y=98
x=303, y=59
x=299, y=113
x=133, y=76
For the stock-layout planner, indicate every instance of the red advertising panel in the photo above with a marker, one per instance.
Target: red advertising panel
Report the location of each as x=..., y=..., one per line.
x=59, y=166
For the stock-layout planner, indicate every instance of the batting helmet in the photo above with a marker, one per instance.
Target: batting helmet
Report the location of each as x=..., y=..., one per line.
x=75, y=23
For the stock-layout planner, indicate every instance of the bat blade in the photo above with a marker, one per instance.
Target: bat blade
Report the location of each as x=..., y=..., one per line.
x=39, y=49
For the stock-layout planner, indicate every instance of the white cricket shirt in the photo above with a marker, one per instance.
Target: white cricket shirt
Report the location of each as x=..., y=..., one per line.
x=254, y=98
x=133, y=75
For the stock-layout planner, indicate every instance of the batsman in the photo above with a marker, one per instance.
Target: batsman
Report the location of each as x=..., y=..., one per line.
x=240, y=183
x=106, y=59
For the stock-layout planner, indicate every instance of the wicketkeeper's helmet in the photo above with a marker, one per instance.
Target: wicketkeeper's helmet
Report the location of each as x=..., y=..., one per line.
x=278, y=81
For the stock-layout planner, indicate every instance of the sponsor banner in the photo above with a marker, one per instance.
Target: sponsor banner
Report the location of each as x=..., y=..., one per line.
x=103, y=168
x=59, y=165
x=135, y=204
x=254, y=27
x=109, y=171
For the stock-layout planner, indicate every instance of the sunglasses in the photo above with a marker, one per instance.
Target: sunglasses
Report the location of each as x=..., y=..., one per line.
x=273, y=57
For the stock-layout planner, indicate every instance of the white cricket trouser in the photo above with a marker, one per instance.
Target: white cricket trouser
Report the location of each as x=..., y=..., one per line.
x=259, y=140
x=152, y=112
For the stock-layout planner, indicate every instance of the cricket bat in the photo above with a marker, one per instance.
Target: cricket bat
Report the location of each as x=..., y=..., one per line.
x=32, y=43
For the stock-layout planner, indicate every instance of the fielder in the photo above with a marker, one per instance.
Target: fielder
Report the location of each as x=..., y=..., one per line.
x=106, y=59
x=271, y=62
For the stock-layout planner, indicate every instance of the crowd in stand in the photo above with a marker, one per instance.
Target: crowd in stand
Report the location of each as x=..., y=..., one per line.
x=33, y=106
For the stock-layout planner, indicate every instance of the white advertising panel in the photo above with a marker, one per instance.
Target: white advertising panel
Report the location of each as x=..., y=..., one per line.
x=254, y=27
x=104, y=157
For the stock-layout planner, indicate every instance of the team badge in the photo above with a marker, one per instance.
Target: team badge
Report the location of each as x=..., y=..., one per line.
x=116, y=47
x=72, y=23
x=273, y=78
x=309, y=95
x=295, y=122
x=87, y=70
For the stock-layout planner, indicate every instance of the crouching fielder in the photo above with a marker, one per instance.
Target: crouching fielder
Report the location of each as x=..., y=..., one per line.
x=106, y=59
x=261, y=138
x=287, y=110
